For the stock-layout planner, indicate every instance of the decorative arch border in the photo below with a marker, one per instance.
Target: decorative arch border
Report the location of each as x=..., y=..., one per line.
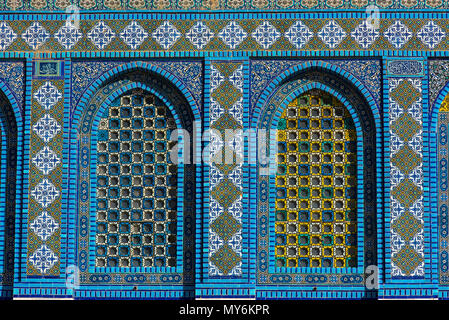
x=436, y=215
x=301, y=291
x=8, y=129
x=148, y=291
x=116, y=92
x=315, y=65
x=129, y=67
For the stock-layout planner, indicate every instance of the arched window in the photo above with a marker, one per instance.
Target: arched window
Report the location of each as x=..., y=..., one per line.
x=442, y=187
x=8, y=165
x=136, y=184
x=316, y=180
x=316, y=199
x=136, y=201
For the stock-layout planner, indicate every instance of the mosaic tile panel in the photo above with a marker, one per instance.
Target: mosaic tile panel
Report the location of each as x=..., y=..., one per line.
x=316, y=196
x=136, y=185
x=226, y=154
x=406, y=172
x=225, y=33
x=47, y=116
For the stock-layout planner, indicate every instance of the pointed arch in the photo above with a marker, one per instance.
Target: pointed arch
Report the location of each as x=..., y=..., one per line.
x=310, y=76
x=128, y=81
x=438, y=183
x=10, y=185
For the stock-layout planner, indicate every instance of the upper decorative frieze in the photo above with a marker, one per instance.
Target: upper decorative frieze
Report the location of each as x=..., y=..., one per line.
x=212, y=5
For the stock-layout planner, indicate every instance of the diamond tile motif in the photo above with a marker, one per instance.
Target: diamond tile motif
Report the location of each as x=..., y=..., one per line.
x=405, y=94
x=226, y=160
x=398, y=34
x=199, y=35
x=332, y=34
x=226, y=192
x=35, y=35
x=44, y=225
x=166, y=35
x=431, y=34
x=365, y=34
x=226, y=121
x=46, y=160
x=226, y=94
x=225, y=226
x=45, y=193
x=406, y=159
x=47, y=95
x=7, y=35
x=101, y=35
x=405, y=127
x=233, y=34
x=43, y=259
x=225, y=259
x=46, y=128
x=407, y=226
x=134, y=35
x=406, y=193
x=299, y=34
x=265, y=34
x=68, y=35
x=407, y=259
x=227, y=69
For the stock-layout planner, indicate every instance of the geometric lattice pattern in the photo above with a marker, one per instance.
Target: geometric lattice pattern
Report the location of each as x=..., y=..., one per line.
x=136, y=185
x=316, y=181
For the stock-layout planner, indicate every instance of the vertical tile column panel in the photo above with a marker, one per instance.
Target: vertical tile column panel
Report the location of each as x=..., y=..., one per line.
x=226, y=251
x=45, y=259
x=407, y=246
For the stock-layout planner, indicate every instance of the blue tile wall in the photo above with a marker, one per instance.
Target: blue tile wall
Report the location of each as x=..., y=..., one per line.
x=216, y=71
